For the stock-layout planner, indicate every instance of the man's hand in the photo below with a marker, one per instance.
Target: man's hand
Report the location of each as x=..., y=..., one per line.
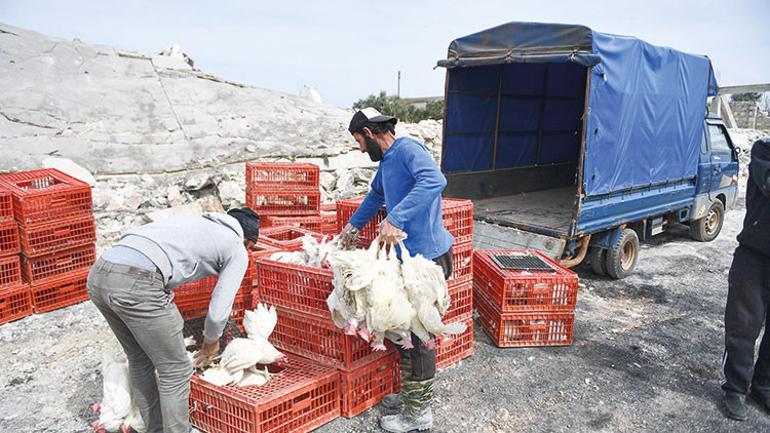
x=389, y=233
x=348, y=237
x=206, y=354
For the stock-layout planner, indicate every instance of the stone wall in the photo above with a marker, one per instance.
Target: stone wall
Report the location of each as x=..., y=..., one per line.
x=748, y=115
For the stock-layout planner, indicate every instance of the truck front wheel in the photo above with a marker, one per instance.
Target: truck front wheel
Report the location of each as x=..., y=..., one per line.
x=706, y=229
x=623, y=255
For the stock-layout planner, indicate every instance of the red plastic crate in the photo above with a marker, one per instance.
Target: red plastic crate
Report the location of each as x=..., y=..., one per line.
x=286, y=237
x=46, y=195
x=46, y=238
x=462, y=260
x=312, y=222
x=525, y=290
x=329, y=207
x=35, y=269
x=458, y=218
x=461, y=295
x=301, y=397
x=317, y=338
x=457, y=215
x=530, y=329
x=365, y=386
x=346, y=209
x=6, y=204
x=9, y=239
x=282, y=175
x=60, y=292
x=10, y=271
x=300, y=288
x=15, y=303
x=450, y=349
x=284, y=202
x=197, y=306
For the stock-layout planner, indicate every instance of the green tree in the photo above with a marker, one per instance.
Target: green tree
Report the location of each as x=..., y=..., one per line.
x=404, y=111
x=751, y=97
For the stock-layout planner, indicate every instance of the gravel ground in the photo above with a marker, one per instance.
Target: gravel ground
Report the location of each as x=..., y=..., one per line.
x=646, y=357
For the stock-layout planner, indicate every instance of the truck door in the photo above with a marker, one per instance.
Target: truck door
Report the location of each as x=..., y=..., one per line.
x=724, y=161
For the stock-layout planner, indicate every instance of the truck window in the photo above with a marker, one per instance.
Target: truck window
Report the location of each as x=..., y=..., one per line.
x=704, y=149
x=719, y=140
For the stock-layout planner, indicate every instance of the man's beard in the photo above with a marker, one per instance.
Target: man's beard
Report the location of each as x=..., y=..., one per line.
x=373, y=149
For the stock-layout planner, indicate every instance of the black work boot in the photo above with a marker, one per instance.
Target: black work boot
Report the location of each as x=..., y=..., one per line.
x=761, y=398
x=735, y=406
x=417, y=397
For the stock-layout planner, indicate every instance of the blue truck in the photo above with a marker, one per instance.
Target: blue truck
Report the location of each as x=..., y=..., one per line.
x=582, y=144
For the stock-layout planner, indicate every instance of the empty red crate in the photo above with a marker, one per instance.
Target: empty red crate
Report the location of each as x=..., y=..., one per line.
x=10, y=271
x=47, y=194
x=9, y=239
x=319, y=339
x=524, y=329
x=282, y=175
x=461, y=295
x=284, y=202
x=457, y=215
x=366, y=385
x=6, y=204
x=299, y=398
x=60, y=292
x=286, y=237
x=35, y=269
x=452, y=348
x=15, y=303
x=44, y=238
x=301, y=288
x=525, y=290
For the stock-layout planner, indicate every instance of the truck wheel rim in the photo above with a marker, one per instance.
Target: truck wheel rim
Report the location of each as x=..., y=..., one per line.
x=627, y=256
x=712, y=222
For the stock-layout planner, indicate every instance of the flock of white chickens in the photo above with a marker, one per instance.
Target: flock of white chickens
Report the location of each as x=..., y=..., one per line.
x=375, y=296
x=378, y=296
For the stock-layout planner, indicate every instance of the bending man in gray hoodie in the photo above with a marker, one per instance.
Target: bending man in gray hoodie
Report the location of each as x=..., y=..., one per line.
x=131, y=285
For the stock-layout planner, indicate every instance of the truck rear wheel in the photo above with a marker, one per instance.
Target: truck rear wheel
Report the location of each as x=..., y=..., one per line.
x=598, y=259
x=623, y=255
x=706, y=229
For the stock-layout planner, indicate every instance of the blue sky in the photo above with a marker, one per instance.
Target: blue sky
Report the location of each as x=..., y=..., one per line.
x=349, y=49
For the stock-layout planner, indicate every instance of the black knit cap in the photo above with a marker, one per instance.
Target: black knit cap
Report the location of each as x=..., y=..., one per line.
x=249, y=221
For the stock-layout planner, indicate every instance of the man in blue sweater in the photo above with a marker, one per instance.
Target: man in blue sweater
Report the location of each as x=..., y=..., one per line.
x=409, y=183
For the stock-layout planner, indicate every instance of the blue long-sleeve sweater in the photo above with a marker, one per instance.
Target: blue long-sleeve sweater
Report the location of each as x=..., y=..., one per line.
x=410, y=184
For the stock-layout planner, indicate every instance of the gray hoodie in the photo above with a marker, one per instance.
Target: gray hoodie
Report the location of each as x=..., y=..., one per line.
x=190, y=248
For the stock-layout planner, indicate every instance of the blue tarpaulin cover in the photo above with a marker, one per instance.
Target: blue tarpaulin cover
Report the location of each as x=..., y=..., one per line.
x=646, y=104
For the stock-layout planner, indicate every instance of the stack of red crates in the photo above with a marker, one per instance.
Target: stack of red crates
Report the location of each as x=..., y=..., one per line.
x=458, y=219
x=520, y=308
x=15, y=301
x=305, y=328
x=283, y=189
x=57, y=234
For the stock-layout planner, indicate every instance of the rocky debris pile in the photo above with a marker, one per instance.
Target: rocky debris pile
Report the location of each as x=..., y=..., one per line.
x=743, y=139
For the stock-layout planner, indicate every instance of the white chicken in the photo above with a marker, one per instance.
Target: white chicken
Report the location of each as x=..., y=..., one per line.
x=237, y=364
x=313, y=253
x=117, y=410
x=429, y=296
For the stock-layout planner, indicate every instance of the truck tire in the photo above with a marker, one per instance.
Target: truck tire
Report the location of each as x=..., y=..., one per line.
x=598, y=259
x=623, y=255
x=706, y=229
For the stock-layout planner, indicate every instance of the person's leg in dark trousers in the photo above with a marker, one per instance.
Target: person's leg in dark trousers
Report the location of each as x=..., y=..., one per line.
x=149, y=329
x=745, y=314
x=416, y=395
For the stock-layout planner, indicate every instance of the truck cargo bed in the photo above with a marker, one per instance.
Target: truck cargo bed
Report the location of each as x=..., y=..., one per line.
x=549, y=212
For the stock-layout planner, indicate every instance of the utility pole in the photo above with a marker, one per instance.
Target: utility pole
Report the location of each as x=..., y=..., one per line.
x=398, y=86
